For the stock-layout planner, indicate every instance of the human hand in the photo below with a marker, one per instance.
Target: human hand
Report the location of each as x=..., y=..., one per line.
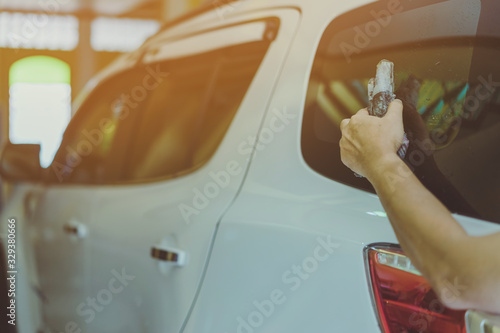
x=368, y=141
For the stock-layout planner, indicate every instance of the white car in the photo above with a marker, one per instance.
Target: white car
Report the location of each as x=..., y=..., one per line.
x=199, y=187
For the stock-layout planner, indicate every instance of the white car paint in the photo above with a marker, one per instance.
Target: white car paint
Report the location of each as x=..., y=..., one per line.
x=243, y=250
x=147, y=215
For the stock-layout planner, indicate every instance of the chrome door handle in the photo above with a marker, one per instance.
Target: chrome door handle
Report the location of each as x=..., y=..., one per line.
x=169, y=255
x=74, y=228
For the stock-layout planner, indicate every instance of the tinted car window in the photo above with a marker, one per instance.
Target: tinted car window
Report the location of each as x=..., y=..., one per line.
x=451, y=110
x=157, y=121
x=94, y=143
x=187, y=116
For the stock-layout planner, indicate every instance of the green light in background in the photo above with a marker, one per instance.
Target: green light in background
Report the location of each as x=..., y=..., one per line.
x=40, y=69
x=39, y=103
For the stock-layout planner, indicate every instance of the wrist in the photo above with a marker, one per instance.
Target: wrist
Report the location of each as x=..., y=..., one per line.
x=384, y=167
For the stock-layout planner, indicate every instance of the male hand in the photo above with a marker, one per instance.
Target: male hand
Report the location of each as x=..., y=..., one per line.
x=368, y=141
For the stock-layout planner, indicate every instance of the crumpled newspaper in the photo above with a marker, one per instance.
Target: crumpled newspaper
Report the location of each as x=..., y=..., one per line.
x=381, y=94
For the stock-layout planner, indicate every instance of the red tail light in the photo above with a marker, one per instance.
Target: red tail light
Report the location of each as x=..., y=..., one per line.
x=404, y=300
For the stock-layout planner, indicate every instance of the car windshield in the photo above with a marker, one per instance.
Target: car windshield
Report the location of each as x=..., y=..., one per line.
x=448, y=84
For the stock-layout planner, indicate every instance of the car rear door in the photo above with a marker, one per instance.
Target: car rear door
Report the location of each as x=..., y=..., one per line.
x=152, y=230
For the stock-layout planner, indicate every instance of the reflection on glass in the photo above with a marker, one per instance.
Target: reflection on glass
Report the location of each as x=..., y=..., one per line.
x=452, y=119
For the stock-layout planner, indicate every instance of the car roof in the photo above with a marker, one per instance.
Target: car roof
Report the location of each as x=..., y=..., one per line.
x=207, y=16
x=204, y=15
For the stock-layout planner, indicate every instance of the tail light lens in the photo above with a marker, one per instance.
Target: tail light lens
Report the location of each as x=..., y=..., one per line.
x=404, y=299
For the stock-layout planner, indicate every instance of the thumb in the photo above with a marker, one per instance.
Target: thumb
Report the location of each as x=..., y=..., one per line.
x=395, y=111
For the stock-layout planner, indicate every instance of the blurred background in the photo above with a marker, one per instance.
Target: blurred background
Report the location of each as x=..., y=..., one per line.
x=49, y=49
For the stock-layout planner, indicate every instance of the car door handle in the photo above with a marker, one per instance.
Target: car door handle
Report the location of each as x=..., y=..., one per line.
x=30, y=203
x=174, y=256
x=75, y=228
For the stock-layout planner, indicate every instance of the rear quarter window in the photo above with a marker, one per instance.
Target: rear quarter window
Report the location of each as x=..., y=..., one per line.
x=451, y=99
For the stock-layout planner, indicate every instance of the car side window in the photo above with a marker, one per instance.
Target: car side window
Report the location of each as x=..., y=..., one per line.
x=158, y=120
x=186, y=117
x=451, y=116
x=94, y=143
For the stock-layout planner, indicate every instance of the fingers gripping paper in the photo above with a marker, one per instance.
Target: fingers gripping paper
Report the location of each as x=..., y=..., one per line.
x=381, y=94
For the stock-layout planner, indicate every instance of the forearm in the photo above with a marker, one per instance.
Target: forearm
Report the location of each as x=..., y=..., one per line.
x=427, y=231
x=463, y=270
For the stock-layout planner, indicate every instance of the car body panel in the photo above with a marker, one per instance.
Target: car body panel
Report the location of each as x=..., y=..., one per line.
x=282, y=209
x=280, y=249
x=61, y=258
x=28, y=300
